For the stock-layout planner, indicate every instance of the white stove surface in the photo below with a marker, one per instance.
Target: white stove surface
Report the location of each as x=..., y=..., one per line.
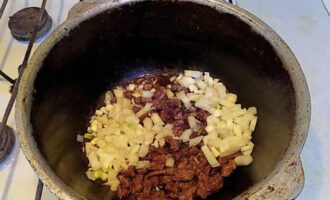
x=304, y=25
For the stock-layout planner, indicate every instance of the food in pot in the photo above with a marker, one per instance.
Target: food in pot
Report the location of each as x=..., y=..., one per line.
x=168, y=137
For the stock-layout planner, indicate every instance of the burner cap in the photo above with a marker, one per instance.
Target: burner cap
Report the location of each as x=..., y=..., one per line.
x=23, y=22
x=7, y=142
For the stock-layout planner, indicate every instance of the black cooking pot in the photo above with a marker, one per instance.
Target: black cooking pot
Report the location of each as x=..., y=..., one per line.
x=104, y=43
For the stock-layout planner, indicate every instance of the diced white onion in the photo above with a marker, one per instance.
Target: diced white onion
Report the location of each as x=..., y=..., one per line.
x=186, y=81
x=156, y=119
x=169, y=162
x=210, y=157
x=231, y=145
x=119, y=93
x=215, y=152
x=143, y=164
x=195, y=141
x=80, y=138
x=186, y=135
x=200, y=84
x=243, y=160
x=253, y=123
x=231, y=97
x=192, y=88
x=169, y=93
x=182, y=96
x=147, y=123
x=147, y=94
x=192, y=122
x=193, y=73
x=252, y=110
x=172, y=78
x=131, y=87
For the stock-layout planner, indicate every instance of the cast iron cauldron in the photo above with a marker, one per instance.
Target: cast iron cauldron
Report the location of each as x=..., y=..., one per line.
x=103, y=43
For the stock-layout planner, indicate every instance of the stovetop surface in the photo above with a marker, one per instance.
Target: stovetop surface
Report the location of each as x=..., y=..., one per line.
x=304, y=25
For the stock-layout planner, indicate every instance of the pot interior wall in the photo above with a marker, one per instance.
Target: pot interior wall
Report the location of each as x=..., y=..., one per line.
x=149, y=37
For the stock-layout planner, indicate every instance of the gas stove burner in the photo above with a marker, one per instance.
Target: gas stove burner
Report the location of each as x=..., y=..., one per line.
x=23, y=22
x=7, y=142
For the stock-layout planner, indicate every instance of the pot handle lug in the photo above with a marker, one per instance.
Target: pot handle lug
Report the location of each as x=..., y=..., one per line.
x=295, y=178
x=287, y=183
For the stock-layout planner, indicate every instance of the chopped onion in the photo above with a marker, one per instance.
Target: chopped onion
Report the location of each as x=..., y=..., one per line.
x=210, y=92
x=179, y=77
x=172, y=78
x=212, y=140
x=215, y=152
x=136, y=94
x=205, y=103
x=210, y=157
x=252, y=110
x=161, y=142
x=114, y=184
x=186, y=135
x=143, y=151
x=155, y=144
x=231, y=97
x=143, y=164
x=169, y=93
x=200, y=84
x=90, y=175
x=195, y=141
x=192, y=122
x=243, y=160
x=108, y=97
x=131, y=87
x=94, y=161
x=225, y=132
x=80, y=138
x=169, y=162
x=193, y=73
x=185, y=81
x=193, y=88
x=193, y=96
x=144, y=110
x=182, y=96
x=231, y=145
x=253, y=123
x=147, y=94
x=156, y=119
x=147, y=123
x=119, y=93
x=237, y=130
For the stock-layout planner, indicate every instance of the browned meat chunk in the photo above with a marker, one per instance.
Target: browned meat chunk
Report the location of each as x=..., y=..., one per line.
x=147, y=86
x=228, y=168
x=138, y=100
x=202, y=115
x=128, y=94
x=174, y=144
x=136, y=109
